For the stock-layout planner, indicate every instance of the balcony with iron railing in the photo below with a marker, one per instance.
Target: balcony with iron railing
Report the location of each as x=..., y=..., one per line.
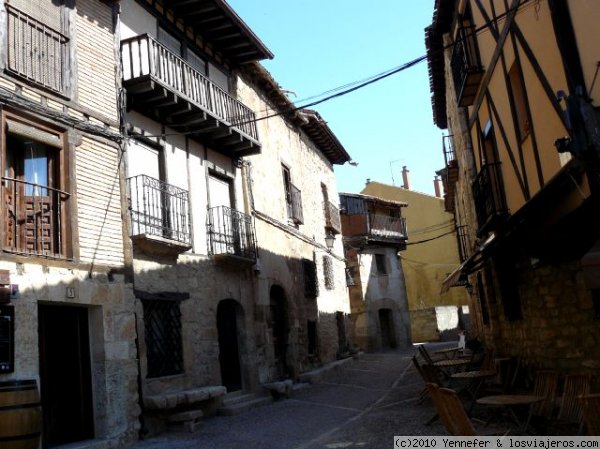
x=467, y=70
x=488, y=194
x=164, y=85
x=35, y=51
x=34, y=218
x=160, y=218
x=450, y=173
x=332, y=218
x=231, y=235
x=294, y=205
x=464, y=248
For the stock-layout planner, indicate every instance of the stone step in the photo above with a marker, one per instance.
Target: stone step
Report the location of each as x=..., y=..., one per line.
x=241, y=404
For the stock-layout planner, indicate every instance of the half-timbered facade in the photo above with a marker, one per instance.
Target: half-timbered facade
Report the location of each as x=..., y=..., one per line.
x=66, y=313
x=514, y=82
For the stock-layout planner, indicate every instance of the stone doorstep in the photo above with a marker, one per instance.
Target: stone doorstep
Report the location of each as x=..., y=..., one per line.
x=317, y=374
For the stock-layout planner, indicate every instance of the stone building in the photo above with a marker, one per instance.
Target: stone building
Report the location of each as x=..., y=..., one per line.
x=374, y=234
x=518, y=99
x=227, y=219
x=431, y=255
x=66, y=312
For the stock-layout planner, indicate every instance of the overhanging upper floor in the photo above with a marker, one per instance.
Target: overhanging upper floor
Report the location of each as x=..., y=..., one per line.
x=164, y=86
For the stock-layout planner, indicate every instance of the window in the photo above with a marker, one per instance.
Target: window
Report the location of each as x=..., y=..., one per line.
x=164, y=351
x=293, y=198
x=515, y=77
x=380, y=264
x=328, y=272
x=38, y=48
x=34, y=190
x=508, y=283
x=311, y=282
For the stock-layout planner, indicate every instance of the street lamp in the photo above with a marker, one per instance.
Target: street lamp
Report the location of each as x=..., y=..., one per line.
x=329, y=240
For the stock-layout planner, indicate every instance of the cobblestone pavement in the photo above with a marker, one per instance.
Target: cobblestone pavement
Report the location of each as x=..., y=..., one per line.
x=363, y=404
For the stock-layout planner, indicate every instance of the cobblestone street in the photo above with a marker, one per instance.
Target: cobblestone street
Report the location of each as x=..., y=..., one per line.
x=362, y=404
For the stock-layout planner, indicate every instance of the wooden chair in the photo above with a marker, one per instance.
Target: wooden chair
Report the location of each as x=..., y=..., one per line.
x=570, y=408
x=451, y=411
x=429, y=374
x=590, y=406
x=425, y=354
x=546, y=383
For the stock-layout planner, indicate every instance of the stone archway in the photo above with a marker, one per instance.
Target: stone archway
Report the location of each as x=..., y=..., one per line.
x=230, y=327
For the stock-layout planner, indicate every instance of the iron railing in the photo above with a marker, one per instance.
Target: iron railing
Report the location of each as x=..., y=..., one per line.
x=294, y=205
x=489, y=194
x=332, y=217
x=466, y=65
x=164, y=349
x=33, y=218
x=381, y=225
x=448, y=148
x=143, y=56
x=159, y=209
x=464, y=248
x=35, y=51
x=231, y=232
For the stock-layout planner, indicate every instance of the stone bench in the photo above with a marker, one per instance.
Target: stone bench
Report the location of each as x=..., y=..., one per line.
x=280, y=389
x=183, y=410
x=183, y=398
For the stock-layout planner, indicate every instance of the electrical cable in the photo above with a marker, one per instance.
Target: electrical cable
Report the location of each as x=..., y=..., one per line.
x=521, y=7
x=430, y=239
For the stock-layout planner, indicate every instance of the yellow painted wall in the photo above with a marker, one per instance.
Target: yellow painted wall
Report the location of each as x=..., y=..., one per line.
x=425, y=265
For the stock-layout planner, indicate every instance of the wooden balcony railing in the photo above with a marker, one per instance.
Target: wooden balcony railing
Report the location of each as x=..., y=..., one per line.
x=35, y=51
x=388, y=227
x=466, y=66
x=332, y=217
x=144, y=57
x=294, y=205
x=33, y=218
x=231, y=232
x=488, y=193
x=159, y=209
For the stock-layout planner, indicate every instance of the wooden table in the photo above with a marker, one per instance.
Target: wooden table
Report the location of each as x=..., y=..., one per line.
x=451, y=363
x=476, y=379
x=512, y=400
x=447, y=352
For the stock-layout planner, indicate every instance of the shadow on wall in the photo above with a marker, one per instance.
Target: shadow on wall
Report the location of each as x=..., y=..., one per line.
x=441, y=323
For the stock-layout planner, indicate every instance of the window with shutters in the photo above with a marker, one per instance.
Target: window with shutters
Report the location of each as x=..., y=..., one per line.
x=311, y=281
x=35, y=196
x=38, y=43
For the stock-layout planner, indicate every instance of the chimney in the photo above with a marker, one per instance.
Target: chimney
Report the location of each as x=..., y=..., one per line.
x=437, y=185
x=405, y=178
x=368, y=181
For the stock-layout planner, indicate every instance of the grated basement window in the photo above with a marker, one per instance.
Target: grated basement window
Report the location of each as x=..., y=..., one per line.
x=311, y=282
x=328, y=272
x=164, y=351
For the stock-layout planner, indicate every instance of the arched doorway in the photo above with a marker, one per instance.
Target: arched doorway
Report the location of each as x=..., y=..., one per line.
x=388, y=331
x=229, y=313
x=280, y=329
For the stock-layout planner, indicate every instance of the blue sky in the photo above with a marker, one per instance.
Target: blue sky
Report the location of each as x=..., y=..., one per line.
x=322, y=44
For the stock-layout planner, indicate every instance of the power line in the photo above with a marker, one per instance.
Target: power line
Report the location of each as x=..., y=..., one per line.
x=432, y=238
x=356, y=85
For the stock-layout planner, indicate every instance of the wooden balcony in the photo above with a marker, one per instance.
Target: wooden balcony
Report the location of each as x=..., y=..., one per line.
x=466, y=66
x=488, y=193
x=332, y=218
x=375, y=227
x=162, y=85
